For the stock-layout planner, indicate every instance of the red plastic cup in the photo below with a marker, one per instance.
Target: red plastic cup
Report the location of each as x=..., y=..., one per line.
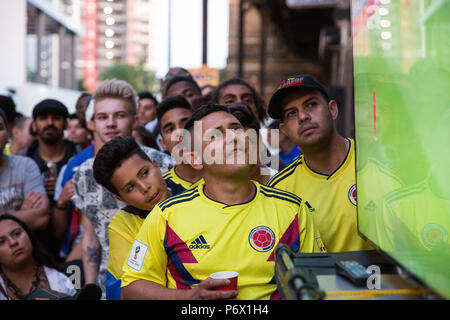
x=230, y=275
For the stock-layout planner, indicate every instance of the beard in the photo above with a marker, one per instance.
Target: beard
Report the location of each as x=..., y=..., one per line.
x=50, y=137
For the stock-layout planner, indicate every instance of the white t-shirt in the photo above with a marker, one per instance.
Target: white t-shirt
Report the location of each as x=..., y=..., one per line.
x=58, y=281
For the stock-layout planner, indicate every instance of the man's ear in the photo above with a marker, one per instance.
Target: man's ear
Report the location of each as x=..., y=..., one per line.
x=163, y=145
x=91, y=125
x=283, y=128
x=14, y=132
x=332, y=105
x=155, y=164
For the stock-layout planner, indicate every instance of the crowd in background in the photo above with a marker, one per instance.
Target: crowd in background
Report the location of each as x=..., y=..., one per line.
x=59, y=205
x=42, y=152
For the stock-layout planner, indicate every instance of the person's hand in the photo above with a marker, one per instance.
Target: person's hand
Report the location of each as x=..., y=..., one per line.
x=205, y=290
x=33, y=200
x=66, y=194
x=49, y=184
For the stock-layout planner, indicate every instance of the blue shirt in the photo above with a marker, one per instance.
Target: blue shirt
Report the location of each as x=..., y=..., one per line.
x=288, y=158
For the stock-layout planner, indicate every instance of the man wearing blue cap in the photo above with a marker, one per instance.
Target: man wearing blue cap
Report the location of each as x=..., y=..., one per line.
x=325, y=173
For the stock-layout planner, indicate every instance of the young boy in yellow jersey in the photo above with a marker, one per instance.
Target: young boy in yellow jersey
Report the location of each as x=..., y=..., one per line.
x=228, y=222
x=123, y=168
x=325, y=173
x=172, y=114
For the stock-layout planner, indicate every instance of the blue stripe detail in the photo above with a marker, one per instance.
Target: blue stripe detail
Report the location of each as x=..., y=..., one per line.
x=112, y=287
x=179, y=201
x=284, y=173
x=279, y=197
x=296, y=245
x=184, y=194
x=176, y=188
x=173, y=256
x=283, y=193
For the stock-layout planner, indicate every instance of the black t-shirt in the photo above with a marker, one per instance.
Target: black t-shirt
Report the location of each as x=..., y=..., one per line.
x=46, y=237
x=33, y=153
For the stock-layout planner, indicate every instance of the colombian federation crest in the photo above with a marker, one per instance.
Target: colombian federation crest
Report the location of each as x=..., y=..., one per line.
x=352, y=194
x=262, y=239
x=434, y=234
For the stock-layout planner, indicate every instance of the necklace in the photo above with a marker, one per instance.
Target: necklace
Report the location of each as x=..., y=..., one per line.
x=39, y=280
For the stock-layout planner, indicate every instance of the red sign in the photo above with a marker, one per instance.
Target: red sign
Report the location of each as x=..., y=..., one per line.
x=90, y=45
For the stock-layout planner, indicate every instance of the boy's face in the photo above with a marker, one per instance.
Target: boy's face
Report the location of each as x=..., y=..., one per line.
x=139, y=183
x=146, y=111
x=171, y=121
x=113, y=117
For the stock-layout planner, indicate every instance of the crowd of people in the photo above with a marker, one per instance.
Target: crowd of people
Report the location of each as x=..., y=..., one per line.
x=125, y=189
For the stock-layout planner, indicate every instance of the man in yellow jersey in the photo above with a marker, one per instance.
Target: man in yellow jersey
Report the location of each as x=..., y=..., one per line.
x=123, y=168
x=227, y=223
x=325, y=173
x=172, y=114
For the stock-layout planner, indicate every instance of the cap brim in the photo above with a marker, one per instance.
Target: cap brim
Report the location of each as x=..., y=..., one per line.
x=274, y=108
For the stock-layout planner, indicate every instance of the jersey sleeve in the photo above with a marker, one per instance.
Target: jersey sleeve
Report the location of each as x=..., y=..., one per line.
x=119, y=246
x=147, y=259
x=310, y=240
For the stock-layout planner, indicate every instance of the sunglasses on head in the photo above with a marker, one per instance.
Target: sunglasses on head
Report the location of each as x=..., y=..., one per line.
x=171, y=76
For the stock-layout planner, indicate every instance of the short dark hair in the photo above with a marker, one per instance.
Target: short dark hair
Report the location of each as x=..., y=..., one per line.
x=183, y=79
x=275, y=124
x=173, y=102
x=111, y=156
x=82, y=121
x=19, y=121
x=245, y=116
x=203, y=112
x=200, y=101
x=5, y=120
x=147, y=138
x=147, y=95
x=9, y=108
x=259, y=102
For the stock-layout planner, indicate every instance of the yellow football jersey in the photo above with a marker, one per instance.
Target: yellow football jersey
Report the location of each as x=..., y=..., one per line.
x=188, y=237
x=176, y=184
x=331, y=200
x=415, y=216
x=122, y=230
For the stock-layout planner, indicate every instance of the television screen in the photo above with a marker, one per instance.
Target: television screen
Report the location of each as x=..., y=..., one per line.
x=401, y=52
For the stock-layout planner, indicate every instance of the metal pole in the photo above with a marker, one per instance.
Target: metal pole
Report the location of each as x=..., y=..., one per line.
x=205, y=32
x=262, y=57
x=169, y=48
x=241, y=39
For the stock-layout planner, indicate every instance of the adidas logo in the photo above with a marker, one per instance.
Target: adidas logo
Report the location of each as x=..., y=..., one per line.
x=371, y=206
x=199, y=243
x=311, y=209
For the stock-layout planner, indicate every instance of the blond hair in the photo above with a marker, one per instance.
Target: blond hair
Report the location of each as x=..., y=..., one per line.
x=117, y=89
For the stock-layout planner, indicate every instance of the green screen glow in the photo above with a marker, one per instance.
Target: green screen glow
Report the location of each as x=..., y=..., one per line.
x=401, y=51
